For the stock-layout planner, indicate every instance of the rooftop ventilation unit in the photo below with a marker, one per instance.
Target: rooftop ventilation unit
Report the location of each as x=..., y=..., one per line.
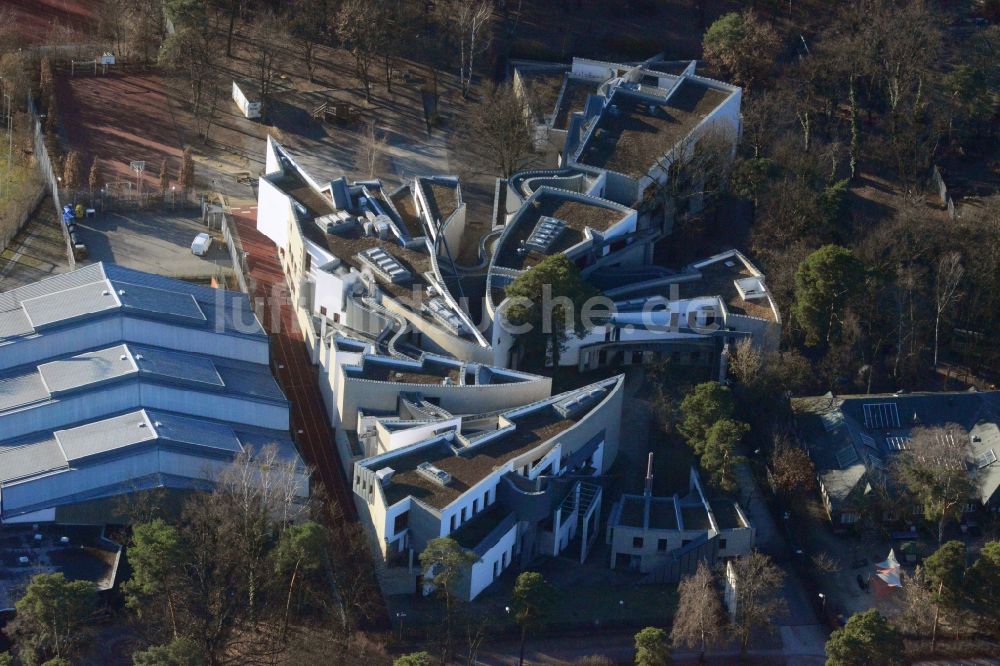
x=432, y=473
x=444, y=315
x=384, y=265
x=578, y=403
x=336, y=223
x=545, y=234
x=384, y=475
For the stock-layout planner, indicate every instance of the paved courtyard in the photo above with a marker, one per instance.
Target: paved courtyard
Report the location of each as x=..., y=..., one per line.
x=153, y=241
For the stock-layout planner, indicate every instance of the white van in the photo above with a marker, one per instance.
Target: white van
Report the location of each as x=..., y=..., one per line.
x=201, y=245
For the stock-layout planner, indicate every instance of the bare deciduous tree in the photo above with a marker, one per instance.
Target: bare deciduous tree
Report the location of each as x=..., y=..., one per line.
x=699, y=619
x=949, y=275
x=498, y=128
x=758, y=594
x=745, y=361
x=472, y=20
x=933, y=469
x=371, y=149
x=268, y=34
x=359, y=27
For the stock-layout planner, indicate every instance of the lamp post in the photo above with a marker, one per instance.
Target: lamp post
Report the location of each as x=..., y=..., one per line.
x=400, y=616
x=823, y=597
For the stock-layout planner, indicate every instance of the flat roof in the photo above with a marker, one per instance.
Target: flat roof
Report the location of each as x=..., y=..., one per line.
x=402, y=201
x=726, y=513
x=634, y=131
x=695, y=517
x=470, y=464
x=442, y=197
x=542, y=85
x=574, y=98
x=577, y=212
x=430, y=372
x=719, y=279
x=469, y=467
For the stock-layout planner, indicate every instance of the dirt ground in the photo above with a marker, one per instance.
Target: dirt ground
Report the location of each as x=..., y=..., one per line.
x=38, y=21
x=38, y=251
x=119, y=118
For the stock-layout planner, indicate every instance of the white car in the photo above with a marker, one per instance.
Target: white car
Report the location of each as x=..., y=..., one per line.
x=201, y=244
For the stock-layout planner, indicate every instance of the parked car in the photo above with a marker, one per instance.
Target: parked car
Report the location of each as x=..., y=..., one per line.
x=201, y=245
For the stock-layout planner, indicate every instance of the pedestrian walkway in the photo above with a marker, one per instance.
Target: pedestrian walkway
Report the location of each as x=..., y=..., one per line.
x=291, y=364
x=801, y=633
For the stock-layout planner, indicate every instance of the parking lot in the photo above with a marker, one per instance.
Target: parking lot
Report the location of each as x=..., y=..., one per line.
x=153, y=241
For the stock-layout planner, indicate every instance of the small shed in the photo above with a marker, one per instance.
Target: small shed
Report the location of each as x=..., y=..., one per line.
x=247, y=97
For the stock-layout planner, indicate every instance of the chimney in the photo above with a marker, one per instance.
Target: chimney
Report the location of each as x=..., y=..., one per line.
x=649, y=475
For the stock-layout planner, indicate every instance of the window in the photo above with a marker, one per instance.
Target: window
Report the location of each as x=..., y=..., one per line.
x=308, y=263
x=402, y=520
x=454, y=522
x=722, y=544
x=503, y=561
x=661, y=545
x=496, y=568
x=637, y=542
x=848, y=518
x=685, y=542
x=322, y=310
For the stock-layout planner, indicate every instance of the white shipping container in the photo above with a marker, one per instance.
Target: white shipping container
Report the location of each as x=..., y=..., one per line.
x=250, y=109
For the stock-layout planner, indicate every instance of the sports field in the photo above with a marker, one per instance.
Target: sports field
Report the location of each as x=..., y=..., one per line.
x=119, y=118
x=38, y=20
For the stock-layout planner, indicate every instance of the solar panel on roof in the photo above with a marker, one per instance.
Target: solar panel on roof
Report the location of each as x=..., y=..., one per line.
x=868, y=441
x=898, y=443
x=881, y=415
x=847, y=456
x=545, y=234
x=384, y=265
x=986, y=459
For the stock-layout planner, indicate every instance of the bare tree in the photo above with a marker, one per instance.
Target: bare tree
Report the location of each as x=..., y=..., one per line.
x=498, y=128
x=359, y=27
x=745, y=361
x=472, y=20
x=193, y=52
x=699, y=619
x=371, y=148
x=308, y=24
x=268, y=35
x=949, y=275
x=934, y=469
x=758, y=594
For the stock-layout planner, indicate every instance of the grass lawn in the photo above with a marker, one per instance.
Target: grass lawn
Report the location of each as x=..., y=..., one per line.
x=20, y=187
x=599, y=604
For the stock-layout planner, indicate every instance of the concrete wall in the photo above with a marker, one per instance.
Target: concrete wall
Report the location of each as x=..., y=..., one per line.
x=492, y=563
